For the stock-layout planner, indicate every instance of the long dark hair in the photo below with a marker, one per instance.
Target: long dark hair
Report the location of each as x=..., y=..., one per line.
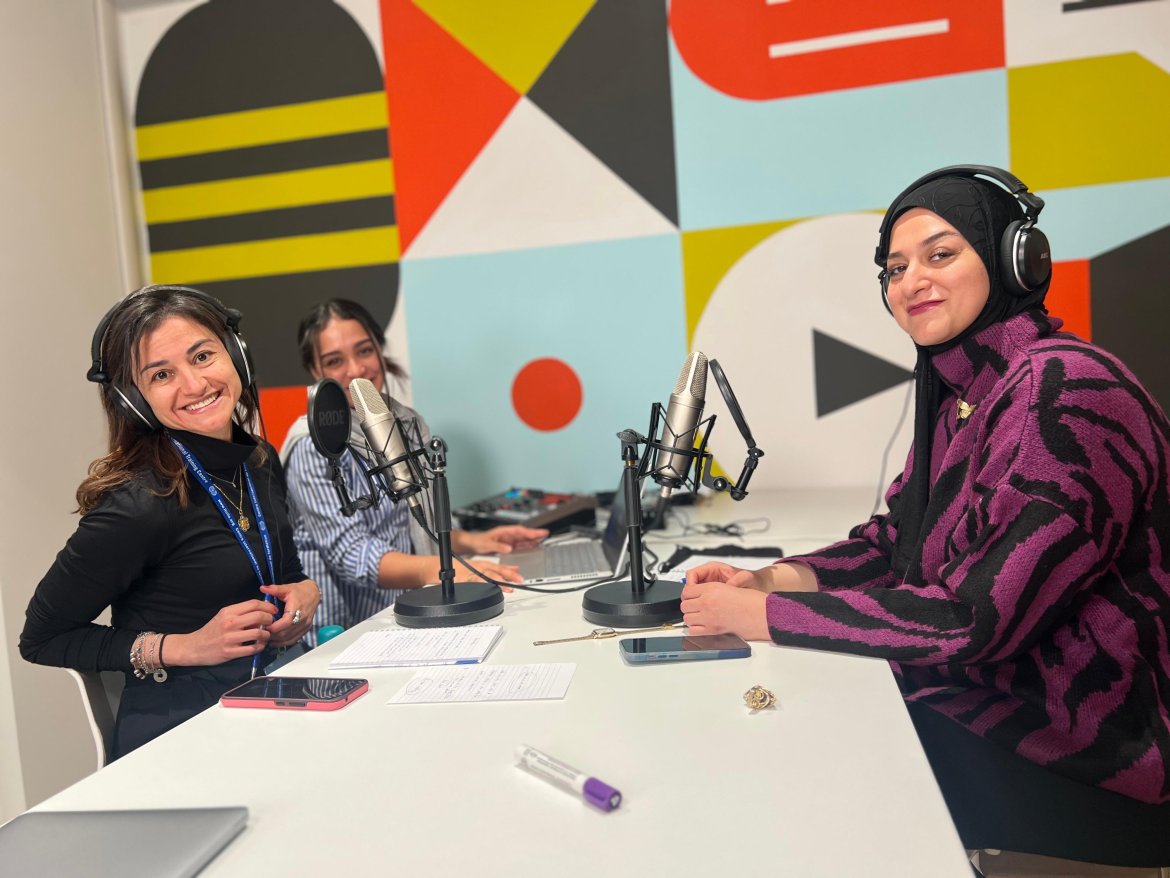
x=318, y=318
x=133, y=449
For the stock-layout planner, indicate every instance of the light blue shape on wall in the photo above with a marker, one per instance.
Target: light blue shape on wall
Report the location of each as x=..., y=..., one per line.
x=612, y=310
x=742, y=161
x=1085, y=221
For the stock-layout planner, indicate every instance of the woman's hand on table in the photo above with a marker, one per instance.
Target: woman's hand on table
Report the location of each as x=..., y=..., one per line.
x=716, y=607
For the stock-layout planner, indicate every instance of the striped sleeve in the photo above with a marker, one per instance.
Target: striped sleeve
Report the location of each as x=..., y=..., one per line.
x=1038, y=512
x=989, y=603
x=863, y=560
x=349, y=547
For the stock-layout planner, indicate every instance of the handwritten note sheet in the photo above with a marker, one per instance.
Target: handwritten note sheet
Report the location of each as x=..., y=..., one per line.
x=402, y=647
x=487, y=683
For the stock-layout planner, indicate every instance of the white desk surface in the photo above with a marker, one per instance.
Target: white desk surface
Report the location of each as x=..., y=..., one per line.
x=830, y=783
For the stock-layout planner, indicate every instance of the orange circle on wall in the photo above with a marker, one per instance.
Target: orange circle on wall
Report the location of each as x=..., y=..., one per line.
x=546, y=394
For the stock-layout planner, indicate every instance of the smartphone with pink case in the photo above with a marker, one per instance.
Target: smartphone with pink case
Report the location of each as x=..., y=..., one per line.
x=296, y=693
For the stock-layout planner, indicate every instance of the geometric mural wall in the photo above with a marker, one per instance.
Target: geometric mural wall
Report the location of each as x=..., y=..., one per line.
x=549, y=204
x=265, y=167
x=1130, y=281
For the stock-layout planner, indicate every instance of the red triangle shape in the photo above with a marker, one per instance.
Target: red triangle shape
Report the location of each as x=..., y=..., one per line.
x=444, y=106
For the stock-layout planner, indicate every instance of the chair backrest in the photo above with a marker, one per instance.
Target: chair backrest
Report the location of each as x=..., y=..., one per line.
x=100, y=693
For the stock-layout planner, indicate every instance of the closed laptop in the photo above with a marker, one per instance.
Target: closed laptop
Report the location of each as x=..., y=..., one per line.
x=158, y=843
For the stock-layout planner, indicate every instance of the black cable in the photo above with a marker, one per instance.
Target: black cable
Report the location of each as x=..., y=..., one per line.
x=881, y=485
x=682, y=517
x=735, y=529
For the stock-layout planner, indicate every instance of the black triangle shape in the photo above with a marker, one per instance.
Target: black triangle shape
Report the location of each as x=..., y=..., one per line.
x=609, y=87
x=845, y=374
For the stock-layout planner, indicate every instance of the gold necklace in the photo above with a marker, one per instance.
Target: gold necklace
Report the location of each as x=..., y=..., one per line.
x=243, y=521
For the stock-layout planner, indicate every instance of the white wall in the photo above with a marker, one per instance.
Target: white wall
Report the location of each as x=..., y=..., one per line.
x=60, y=269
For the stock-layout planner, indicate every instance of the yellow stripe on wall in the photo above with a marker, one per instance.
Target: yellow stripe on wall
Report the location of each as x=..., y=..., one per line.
x=1089, y=121
x=270, y=191
x=257, y=127
x=301, y=253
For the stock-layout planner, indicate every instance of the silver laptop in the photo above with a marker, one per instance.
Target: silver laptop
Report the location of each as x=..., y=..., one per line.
x=162, y=843
x=577, y=558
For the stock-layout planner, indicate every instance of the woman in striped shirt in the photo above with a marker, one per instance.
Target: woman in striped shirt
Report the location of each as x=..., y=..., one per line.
x=363, y=562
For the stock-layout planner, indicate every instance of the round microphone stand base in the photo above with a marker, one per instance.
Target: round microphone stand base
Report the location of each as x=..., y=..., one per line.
x=427, y=608
x=617, y=605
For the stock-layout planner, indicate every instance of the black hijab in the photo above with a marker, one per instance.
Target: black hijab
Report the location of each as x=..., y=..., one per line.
x=981, y=211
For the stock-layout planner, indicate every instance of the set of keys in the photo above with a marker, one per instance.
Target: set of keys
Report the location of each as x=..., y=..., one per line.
x=605, y=633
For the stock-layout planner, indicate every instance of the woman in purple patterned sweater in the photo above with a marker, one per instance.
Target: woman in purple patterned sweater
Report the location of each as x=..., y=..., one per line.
x=1022, y=592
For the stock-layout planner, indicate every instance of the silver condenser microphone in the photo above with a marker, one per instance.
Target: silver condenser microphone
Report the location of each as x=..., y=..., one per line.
x=682, y=417
x=386, y=442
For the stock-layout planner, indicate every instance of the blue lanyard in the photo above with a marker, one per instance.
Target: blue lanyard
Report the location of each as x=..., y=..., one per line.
x=197, y=471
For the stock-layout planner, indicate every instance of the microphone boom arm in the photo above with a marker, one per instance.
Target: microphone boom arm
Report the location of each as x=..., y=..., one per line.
x=738, y=490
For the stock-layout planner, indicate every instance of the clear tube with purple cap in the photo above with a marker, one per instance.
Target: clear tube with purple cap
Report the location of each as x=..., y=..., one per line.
x=593, y=790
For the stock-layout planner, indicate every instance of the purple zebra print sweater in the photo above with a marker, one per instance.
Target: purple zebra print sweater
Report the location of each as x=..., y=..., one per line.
x=1039, y=617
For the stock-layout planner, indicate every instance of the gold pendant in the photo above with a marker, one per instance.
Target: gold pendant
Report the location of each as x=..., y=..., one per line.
x=245, y=524
x=965, y=410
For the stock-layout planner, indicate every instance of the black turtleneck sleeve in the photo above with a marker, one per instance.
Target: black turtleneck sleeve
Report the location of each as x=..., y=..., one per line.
x=157, y=566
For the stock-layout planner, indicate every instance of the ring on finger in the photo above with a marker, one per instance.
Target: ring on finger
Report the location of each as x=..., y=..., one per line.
x=296, y=620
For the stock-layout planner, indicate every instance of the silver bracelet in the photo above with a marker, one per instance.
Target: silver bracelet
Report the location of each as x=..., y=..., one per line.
x=136, y=660
x=144, y=662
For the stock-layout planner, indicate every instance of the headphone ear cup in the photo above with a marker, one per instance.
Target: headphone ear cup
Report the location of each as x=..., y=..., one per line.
x=135, y=407
x=1025, y=258
x=242, y=360
x=1033, y=258
x=1009, y=269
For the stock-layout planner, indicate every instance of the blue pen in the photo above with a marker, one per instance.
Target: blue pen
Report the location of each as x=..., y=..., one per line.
x=270, y=599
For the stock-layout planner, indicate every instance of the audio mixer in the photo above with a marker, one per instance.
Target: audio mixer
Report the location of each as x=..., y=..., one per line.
x=530, y=507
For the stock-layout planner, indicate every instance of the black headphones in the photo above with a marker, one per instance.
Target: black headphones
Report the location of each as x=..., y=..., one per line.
x=130, y=398
x=1025, y=259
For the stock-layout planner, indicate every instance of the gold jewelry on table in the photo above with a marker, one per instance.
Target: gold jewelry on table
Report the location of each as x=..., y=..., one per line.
x=965, y=409
x=604, y=633
x=243, y=521
x=759, y=698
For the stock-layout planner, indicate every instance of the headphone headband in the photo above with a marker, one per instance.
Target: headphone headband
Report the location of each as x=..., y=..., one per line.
x=1024, y=257
x=1030, y=203
x=97, y=373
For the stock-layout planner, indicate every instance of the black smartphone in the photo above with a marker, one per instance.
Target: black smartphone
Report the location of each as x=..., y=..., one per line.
x=684, y=648
x=296, y=693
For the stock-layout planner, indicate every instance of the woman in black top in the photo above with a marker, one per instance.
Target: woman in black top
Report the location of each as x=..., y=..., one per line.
x=182, y=521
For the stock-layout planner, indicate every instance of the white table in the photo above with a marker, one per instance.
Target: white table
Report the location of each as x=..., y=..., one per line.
x=831, y=783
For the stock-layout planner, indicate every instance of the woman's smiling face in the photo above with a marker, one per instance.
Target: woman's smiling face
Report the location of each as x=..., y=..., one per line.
x=187, y=378
x=936, y=283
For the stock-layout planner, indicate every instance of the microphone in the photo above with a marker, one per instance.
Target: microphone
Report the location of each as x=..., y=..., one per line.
x=329, y=424
x=682, y=417
x=329, y=418
x=386, y=443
